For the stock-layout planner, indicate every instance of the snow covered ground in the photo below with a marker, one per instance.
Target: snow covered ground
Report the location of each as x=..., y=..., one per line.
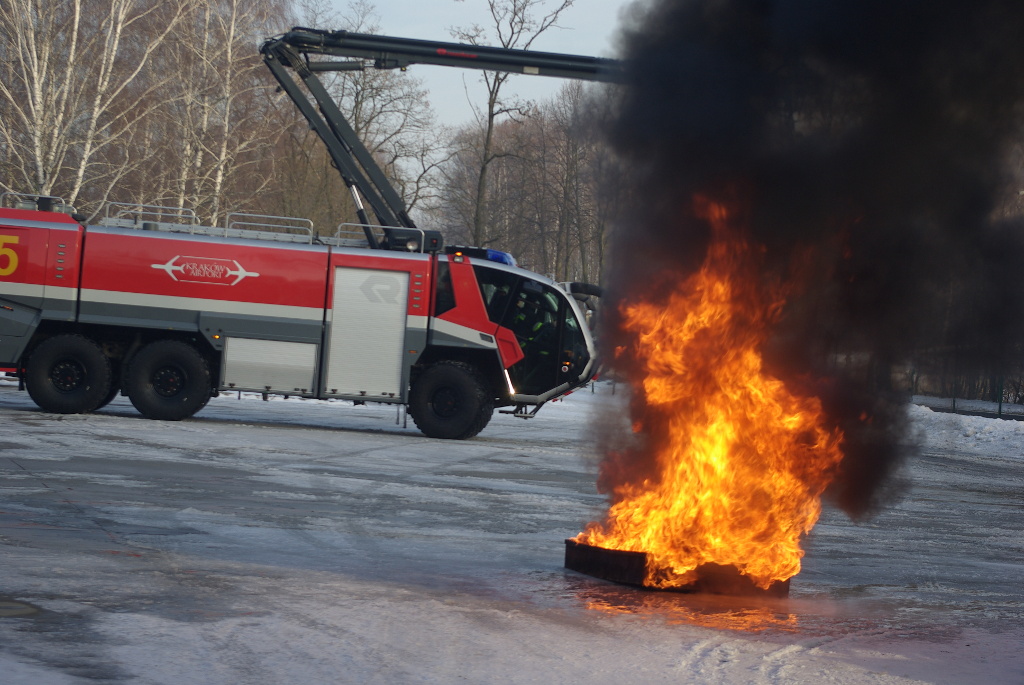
x=293, y=541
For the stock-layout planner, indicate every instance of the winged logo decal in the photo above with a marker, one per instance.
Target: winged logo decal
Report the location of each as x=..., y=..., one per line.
x=208, y=270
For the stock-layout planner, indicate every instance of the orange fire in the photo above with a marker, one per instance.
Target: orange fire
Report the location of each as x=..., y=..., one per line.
x=740, y=460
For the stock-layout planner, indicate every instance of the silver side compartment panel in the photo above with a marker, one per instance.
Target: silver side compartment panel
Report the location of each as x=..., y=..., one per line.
x=269, y=366
x=367, y=338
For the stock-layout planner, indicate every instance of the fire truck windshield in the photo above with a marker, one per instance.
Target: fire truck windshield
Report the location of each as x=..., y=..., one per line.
x=546, y=326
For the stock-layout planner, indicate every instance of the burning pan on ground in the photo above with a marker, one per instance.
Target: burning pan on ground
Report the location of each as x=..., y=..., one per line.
x=630, y=568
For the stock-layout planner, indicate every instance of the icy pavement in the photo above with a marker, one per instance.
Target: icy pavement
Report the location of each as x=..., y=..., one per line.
x=309, y=542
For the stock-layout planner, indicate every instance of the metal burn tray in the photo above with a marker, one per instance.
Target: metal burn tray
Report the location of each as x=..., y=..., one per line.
x=630, y=568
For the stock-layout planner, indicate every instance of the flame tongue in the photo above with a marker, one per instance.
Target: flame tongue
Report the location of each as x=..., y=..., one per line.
x=740, y=461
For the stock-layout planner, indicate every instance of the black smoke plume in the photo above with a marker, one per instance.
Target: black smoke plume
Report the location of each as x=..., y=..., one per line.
x=869, y=143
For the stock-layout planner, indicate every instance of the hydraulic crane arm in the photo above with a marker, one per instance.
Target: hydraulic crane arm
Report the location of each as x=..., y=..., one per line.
x=354, y=162
x=363, y=176
x=386, y=52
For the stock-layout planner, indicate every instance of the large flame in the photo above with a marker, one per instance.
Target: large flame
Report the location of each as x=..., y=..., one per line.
x=740, y=460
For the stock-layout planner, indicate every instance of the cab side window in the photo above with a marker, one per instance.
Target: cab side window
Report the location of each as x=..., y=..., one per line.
x=497, y=288
x=445, y=291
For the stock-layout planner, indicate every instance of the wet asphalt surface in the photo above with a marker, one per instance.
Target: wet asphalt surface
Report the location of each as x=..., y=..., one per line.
x=225, y=517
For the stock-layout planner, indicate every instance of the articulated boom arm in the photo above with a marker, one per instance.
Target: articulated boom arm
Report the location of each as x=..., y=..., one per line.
x=355, y=163
x=397, y=53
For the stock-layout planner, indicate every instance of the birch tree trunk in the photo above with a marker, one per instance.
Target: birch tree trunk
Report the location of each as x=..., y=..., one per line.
x=77, y=78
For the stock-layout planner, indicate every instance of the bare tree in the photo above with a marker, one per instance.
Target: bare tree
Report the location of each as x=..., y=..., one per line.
x=77, y=78
x=216, y=110
x=585, y=174
x=551, y=202
x=514, y=24
x=168, y=102
x=390, y=112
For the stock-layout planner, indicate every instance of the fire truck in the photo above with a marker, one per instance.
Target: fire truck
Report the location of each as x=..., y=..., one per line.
x=148, y=303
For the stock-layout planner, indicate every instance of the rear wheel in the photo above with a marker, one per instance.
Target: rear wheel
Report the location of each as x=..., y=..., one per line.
x=68, y=374
x=168, y=380
x=450, y=400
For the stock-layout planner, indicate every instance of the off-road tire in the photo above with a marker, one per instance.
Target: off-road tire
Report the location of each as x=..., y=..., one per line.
x=451, y=400
x=168, y=380
x=68, y=374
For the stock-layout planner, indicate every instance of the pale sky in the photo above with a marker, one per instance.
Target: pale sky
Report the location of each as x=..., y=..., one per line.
x=589, y=27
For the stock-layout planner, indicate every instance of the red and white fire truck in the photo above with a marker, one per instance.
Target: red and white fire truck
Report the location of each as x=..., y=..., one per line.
x=148, y=303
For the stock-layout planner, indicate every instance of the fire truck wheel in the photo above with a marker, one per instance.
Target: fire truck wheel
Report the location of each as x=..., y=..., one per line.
x=450, y=400
x=168, y=380
x=68, y=374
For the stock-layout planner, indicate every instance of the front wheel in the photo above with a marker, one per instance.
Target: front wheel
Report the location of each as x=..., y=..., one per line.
x=450, y=400
x=168, y=380
x=68, y=374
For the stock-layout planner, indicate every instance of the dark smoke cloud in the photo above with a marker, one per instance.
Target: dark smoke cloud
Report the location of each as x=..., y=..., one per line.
x=867, y=140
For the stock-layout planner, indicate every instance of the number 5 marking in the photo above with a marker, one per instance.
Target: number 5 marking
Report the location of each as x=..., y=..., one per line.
x=8, y=253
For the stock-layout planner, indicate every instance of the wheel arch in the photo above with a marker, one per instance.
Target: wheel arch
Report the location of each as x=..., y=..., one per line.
x=486, y=362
